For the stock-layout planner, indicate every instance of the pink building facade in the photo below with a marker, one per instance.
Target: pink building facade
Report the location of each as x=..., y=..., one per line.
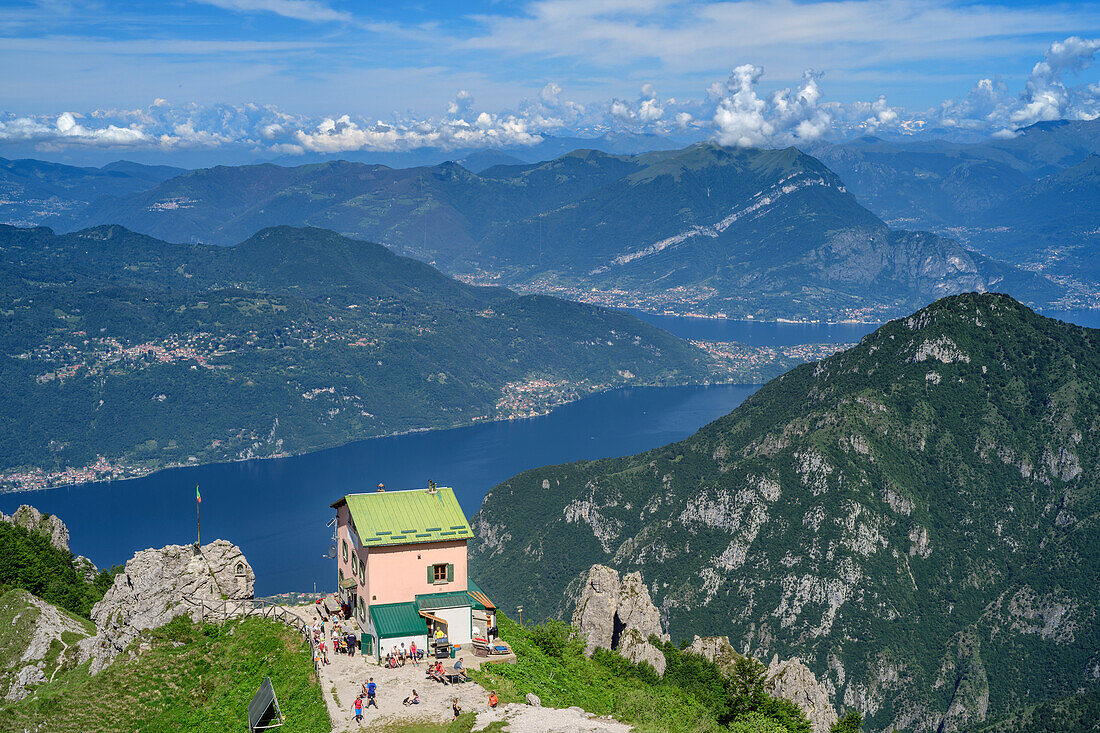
x=402, y=567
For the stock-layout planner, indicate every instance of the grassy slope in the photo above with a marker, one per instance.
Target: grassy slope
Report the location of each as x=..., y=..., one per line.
x=606, y=684
x=196, y=678
x=18, y=615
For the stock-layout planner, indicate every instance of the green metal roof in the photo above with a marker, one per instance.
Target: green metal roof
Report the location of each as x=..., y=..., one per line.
x=397, y=619
x=451, y=599
x=404, y=517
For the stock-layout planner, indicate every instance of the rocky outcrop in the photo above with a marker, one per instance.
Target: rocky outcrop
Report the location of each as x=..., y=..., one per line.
x=793, y=680
x=36, y=639
x=85, y=568
x=159, y=585
x=618, y=614
x=717, y=649
x=790, y=679
x=48, y=525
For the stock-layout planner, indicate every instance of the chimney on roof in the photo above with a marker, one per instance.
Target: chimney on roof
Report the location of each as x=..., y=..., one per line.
x=431, y=487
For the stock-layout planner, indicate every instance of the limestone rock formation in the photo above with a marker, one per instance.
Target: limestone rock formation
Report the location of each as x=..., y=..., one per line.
x=33, y=520
x=85, y=568
x=618, y=614
x=595, y=612
x=152, y=589
x=36, y=641
x=717, y=649
x=793, y=680
x=533, y=700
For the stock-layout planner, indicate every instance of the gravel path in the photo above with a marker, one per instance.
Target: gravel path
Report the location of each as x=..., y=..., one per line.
x=343, y=678
x=521, y=717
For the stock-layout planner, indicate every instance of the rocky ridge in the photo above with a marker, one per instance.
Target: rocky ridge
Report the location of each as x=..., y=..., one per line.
x=617, y=613
x=54, y=529
x=154, y=588
x=32, y=520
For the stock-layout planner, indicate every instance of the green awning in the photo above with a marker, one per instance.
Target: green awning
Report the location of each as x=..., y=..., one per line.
x=454, y=599
x=397, y=619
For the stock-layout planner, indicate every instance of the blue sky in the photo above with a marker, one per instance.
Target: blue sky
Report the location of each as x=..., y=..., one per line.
x=335, y=74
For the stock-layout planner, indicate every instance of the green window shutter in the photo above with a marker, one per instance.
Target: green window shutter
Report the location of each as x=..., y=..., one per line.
x=431, y=575
x=450, y=573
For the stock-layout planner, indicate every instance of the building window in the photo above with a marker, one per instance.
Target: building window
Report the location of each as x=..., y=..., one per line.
x=341, y=575
x=354, y=564
x=345, y=542
x=441, y=573
x=240, y=568
x=363, y=573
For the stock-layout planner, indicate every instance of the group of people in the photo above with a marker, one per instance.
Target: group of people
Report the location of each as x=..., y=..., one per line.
x=398, y=656
x=331, y=635
x=370, y=694
x=439, y=674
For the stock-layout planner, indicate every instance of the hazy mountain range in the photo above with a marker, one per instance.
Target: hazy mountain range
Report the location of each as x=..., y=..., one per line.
x=867, y=229
x=1032, y=200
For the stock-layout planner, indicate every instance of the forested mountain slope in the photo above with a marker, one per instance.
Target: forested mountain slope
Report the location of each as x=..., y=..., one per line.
x=916, y=518
x=37, y=192
x=122, y=353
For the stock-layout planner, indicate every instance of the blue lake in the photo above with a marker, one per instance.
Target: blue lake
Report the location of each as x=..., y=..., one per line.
x=760, y=333
x=772, y=333
x=277, y=510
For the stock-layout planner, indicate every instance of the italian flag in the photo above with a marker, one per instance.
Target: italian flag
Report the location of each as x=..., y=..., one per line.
x=198, y=496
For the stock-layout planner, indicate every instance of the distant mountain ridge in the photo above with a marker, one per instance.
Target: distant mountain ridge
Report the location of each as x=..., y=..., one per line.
x=121, y=354
x=739, y=231
x=1032, y=199
x=35, y=191
x=915, y=518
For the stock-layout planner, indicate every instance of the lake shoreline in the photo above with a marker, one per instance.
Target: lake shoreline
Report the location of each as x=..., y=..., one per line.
x=131, y=473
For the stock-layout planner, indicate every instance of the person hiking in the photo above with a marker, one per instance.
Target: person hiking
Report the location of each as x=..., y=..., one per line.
x=455, y=708
x=358, y=708
x=412, y=653
x=460, y=670
x=493, y=699
x=372, y=690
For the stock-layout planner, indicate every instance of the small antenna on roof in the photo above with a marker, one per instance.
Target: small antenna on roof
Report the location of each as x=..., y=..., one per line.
x=381, y=487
